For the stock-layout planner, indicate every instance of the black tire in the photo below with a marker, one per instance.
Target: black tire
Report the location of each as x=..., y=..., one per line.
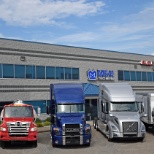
x=108, y=132
x=88, y=145
x=142, y=139
x=53, y=145
x=3, y=144
x=35, y=144
x=146, y=126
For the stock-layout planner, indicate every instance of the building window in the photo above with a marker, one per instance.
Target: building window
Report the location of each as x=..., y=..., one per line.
x=40, y=72
x=59, y=73
x=120, y=75
x=8, y=71
x=68, y=73
x=126, y=75
x=50, y=72
x=75, y=73
x=30, y=72
x=19, y=71
x=153, y=76
x=149, y=76
x=138, y=76
x=0, y=71
x=144, y=76
x=133, y=75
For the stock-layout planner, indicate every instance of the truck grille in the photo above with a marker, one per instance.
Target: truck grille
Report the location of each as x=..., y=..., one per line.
x=72, y=129
x=130, y=127
x=18, y=128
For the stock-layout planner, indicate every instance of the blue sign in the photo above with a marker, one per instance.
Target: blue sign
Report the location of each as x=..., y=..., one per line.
x=92, y=75
x=100, y=75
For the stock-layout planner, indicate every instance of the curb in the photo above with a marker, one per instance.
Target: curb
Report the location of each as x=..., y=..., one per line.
x=43, y=129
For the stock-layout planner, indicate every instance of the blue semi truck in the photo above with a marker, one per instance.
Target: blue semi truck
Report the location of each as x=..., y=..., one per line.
x=67, y=110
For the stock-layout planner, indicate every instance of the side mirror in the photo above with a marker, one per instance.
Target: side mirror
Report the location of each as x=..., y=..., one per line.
x=34, y=119
x=47, y=109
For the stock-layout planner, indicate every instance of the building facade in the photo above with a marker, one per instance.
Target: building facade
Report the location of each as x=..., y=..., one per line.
x=28, y=68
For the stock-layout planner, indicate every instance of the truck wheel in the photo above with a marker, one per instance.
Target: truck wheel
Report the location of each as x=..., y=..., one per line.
x=3, y=144
x=142, y=139
x=108, y=135
x=146, y=126
x=88, y=144
x=35, y=144
x=53, y=145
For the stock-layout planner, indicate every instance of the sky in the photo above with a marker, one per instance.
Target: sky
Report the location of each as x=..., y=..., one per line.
x=116, y=25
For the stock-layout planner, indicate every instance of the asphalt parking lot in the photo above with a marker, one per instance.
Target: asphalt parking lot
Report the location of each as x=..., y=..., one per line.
x=99, y=145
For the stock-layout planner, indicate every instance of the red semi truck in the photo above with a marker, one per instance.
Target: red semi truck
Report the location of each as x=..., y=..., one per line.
x=18, y=124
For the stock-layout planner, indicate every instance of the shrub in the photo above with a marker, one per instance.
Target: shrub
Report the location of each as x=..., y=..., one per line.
x=39, y=124
x=48, y=119
x=38, y=120
x=46, y=123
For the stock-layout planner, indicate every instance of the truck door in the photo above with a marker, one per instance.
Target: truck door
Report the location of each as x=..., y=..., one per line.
x=102, y=115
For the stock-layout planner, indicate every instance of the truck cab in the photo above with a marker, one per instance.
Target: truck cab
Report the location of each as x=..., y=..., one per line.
x=67, y=108
x=18, y=124
x=118, y=113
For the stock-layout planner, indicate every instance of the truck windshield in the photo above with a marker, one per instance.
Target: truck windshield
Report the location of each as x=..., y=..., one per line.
x=18, y=111
x=123, y=106
x=75, y=108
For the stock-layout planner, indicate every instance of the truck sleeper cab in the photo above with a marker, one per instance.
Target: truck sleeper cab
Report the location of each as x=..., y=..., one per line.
x=118, y=114
x=68, y=115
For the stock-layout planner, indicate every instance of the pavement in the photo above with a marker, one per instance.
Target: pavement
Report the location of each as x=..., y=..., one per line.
x=47, y=128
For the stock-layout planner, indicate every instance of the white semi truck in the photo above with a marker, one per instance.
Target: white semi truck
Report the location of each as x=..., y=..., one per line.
x=146, y=105
x=118, y=113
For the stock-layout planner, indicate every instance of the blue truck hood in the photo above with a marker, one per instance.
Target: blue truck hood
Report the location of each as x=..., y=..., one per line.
x=70, y=118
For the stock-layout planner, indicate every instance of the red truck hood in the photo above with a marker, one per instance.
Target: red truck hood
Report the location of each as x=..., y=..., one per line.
x=18, y=119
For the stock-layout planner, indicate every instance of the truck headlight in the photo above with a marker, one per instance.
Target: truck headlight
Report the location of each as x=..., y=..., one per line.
x=88, y=130
x=3, y=129
x=56, y=131
x=114, y=128
x=33, y=129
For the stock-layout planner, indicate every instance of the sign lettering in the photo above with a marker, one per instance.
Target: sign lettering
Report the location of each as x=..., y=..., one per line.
x=100, y=75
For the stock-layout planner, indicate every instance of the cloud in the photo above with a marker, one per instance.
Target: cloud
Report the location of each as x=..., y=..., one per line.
x=30, y=12
x=152, y=54
x=78, y=37
x=135, y=26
